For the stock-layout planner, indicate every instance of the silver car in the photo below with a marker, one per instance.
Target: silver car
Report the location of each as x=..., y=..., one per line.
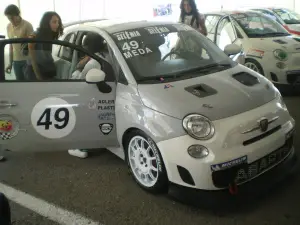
x=160, y=96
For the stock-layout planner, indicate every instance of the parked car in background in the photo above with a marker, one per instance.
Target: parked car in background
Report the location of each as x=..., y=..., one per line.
x=289, y=19
x=269, y=49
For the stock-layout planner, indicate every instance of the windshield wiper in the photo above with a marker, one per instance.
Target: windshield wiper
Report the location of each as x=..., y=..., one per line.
x=207, y=67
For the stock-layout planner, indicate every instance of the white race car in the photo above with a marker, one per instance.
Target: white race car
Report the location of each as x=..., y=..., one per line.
x=269, y=49
x=159, y=95
x=289, y=19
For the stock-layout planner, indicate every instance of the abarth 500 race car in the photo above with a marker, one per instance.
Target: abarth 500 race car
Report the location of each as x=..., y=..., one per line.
x=163, y=97
x=269, y=49
x=289, y=19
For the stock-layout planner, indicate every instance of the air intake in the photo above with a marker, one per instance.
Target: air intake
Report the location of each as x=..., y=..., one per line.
x=246, y=79
x=201, y=90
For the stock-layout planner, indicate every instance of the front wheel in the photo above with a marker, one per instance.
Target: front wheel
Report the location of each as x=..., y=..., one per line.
x=254, y=65
x=145, y=162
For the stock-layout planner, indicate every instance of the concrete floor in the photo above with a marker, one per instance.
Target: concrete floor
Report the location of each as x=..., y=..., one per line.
x=100, y=188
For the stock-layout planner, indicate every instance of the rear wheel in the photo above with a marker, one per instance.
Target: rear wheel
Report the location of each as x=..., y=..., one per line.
x=145, y=162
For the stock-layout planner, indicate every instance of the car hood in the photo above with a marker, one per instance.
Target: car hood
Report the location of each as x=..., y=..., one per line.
x=215, y=96
x=287, y=43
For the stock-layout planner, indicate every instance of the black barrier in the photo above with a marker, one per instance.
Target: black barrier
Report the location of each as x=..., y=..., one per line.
x=5, y=216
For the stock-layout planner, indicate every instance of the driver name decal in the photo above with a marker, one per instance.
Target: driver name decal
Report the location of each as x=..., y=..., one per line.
x=132, y=48
x=53, y=118
x=157, y=30
x=127, y=35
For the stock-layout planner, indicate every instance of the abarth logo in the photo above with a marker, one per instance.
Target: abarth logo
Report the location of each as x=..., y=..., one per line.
x=263, y=124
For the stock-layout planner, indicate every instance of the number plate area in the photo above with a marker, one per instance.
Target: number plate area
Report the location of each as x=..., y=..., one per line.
x=245, y=172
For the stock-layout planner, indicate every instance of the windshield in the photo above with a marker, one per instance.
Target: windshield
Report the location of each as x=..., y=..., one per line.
x=173, y=51
x=256, y=25
x=288, y=16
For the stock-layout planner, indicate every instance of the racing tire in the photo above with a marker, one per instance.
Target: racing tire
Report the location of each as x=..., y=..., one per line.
x=145, y=162
x=254, y=64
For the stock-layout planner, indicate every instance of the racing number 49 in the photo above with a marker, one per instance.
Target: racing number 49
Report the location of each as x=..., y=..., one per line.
x=61, y=115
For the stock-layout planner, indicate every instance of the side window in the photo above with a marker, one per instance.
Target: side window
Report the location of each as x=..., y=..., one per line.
x=41, y=64
x=226, y=33
x=66, y=53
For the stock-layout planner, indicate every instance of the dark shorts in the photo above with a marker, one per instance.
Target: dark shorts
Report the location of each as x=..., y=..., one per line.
x=19, y=67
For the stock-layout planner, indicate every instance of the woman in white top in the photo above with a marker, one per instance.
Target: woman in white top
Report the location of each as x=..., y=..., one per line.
x=189, y=15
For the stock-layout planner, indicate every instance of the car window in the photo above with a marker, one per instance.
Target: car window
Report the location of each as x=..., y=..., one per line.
x=211, y=23
x=44, y=65
x=226, y=33
x=259, y=25
x=288, y=16
x=164, y=50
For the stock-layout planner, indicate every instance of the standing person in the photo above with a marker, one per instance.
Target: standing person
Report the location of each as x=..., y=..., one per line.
x=17, y=28
x=40, y=65
x=189, y=15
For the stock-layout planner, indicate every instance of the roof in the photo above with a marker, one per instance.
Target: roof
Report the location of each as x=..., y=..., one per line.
x=117, y=25
x=230, y=12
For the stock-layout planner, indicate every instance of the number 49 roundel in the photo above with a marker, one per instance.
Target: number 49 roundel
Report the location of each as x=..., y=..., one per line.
x=53, y=118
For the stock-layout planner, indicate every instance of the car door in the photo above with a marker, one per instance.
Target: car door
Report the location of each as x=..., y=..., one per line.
x=58, y=113
x=225, y=34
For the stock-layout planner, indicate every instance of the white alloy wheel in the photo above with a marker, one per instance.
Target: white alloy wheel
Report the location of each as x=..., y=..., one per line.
x=143, y=161
x=252, y=66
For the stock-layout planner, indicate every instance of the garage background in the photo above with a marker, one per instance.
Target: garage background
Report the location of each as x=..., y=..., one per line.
x=73, y=10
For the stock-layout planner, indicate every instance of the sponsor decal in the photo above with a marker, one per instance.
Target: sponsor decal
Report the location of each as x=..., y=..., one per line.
x=155, y=150
x=127, y=35
x=106, y=105
x=255, y=53
x=9, y=127
x=5, y=125
x=92, y=104
x=106, y=116
x=157, y=30
x=228, y=164
x=106, y=128
x=256, y=168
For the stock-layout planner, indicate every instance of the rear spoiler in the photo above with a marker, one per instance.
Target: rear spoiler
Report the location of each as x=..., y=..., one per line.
x=81, y=22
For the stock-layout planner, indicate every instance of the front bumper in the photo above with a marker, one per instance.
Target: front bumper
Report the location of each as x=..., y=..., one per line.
x=231, y=142
x=287, y=73
x=245, y=192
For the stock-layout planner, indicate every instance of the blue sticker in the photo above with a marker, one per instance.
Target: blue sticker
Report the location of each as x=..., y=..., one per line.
x=226, y=165
x=106, y=116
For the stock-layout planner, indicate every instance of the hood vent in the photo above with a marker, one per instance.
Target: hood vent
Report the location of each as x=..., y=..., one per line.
x=280, y=42
x=201, y=90
x=246, y=79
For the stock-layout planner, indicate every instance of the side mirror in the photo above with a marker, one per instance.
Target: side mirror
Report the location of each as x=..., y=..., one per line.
x=232, y=49
x=94, y=76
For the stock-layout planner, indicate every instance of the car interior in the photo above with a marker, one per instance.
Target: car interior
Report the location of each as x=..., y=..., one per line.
x=67, y=58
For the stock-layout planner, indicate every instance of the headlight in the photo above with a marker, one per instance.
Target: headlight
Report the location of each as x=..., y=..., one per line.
x=280, y=55
x=281, y=102
x=198, y=127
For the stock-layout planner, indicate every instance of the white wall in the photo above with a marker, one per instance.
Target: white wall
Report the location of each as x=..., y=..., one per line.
x=73, y=10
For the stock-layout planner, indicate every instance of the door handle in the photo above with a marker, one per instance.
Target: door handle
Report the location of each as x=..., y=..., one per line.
x=6, y=104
